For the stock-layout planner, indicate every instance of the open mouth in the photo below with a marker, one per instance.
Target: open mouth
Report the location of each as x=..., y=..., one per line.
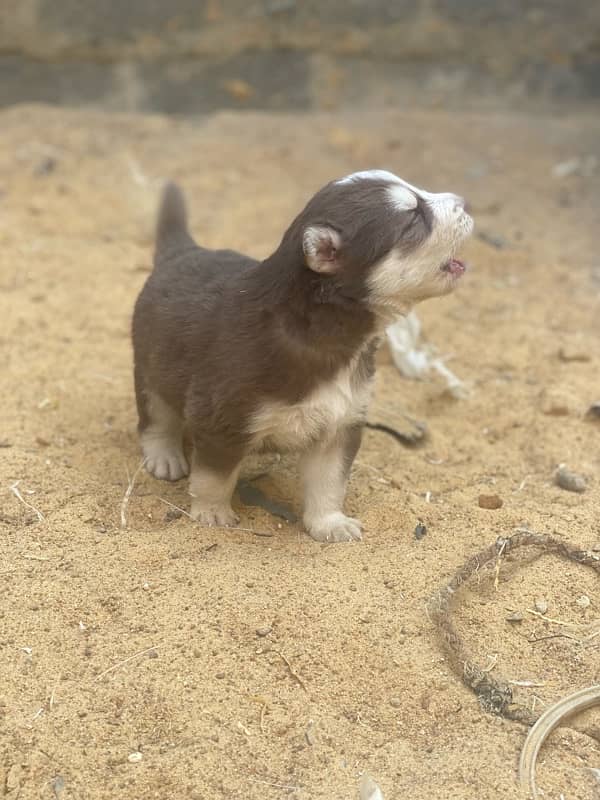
x=454, y=267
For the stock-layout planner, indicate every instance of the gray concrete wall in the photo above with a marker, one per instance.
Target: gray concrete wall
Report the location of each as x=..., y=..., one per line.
x=192, y=56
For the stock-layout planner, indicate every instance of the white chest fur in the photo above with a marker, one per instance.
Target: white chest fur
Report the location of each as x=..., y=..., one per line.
x=338, y=403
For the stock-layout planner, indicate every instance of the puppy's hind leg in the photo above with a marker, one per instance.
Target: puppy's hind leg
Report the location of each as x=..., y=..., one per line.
x=161, y=436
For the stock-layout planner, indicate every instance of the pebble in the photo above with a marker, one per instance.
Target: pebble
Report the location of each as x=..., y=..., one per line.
x=46, y=166
x=490, y=501
x=420, y=531
x=568, y=354
x=264, y=631
x=593, y=411
x=13, y=777
x=568, y=480
x=585, y=166
x=493, y=239
x=558, y=402
x=516, y=616
x=583, y=601
x=541, y=606
x=396, y=702
x=135, y=758
x=58, y=785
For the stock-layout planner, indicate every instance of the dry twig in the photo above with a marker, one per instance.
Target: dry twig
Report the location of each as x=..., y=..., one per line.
x=125, y=661
x=14, y=488
x=292, y=672
x=128, y=491
x=550, y=619
x=497, y=567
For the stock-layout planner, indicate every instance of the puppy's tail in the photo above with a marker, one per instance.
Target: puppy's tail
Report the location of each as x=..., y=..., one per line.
x=172, y=226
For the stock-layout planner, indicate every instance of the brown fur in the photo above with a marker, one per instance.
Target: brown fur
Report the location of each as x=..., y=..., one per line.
x=215, y=333
x=280, y=354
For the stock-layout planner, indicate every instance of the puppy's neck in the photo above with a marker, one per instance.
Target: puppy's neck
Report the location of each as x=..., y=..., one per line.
x=313, y=311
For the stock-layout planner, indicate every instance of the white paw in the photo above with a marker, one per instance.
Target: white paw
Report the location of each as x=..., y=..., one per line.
x=335, y=527
x=168, y=466
x=224, y=517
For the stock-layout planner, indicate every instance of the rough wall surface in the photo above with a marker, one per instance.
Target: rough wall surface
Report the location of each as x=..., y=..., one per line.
x=186, y=56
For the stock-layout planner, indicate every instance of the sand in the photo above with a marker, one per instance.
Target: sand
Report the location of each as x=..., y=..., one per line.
x=165, y=660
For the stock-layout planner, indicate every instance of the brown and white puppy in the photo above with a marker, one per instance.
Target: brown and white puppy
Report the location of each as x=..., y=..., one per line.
x=279, y=354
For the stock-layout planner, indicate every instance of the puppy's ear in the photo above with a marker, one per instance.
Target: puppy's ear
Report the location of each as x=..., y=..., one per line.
x=321, y=245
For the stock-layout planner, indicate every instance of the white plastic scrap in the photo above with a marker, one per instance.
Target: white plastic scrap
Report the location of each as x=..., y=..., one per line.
x=368, y=789
x=416, y=360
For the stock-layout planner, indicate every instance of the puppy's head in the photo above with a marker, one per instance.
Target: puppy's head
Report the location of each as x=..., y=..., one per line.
x=378, y=239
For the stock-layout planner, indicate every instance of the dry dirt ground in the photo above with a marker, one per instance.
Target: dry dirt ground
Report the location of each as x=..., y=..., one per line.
x=130, y=660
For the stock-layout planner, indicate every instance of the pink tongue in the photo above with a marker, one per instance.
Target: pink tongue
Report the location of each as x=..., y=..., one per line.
x=456, y=267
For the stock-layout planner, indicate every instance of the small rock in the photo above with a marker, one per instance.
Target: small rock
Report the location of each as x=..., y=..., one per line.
x=264, y=631
x=583, y=601
x=153, y=653
x=395, y=702
x=559, y=402
x=58, y=785
x=46, y=166
x=219, y=676
x=135, y=758
x=368, y=789
x=309, y=734
x=173, y=514
x=557, y=410
x=568, y=354
x=593, y=412
x=238, y=89
x=568, y=480
x=516, y=616
x=585, y=166
x=420, y=531
x=493, y=239
x=490, y=501
x=540, y=605
x=13, y=778
x=563, y=169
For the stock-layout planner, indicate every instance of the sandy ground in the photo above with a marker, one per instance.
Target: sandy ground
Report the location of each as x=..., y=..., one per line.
x=143, y=640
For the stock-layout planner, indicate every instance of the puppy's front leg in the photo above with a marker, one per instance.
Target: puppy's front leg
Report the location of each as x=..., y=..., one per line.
x=215, y=469
x=325, y=470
